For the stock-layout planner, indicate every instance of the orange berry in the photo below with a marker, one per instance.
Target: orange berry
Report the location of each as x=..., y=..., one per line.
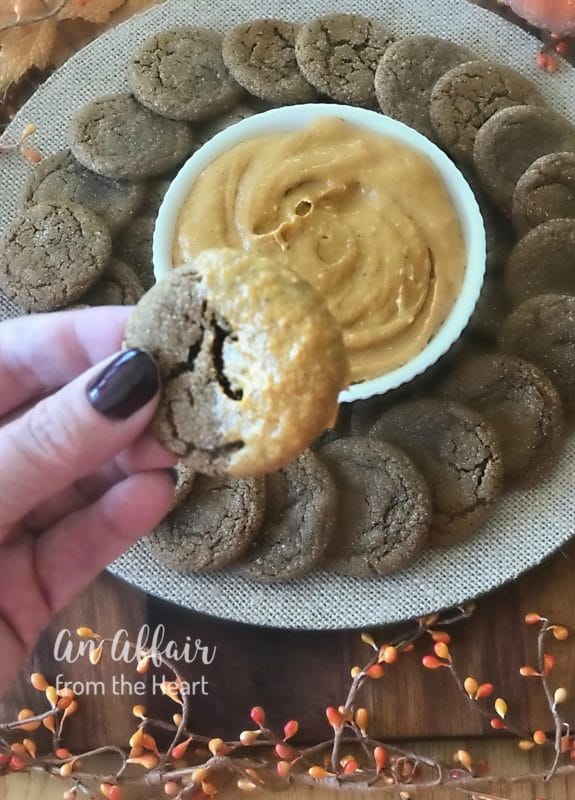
x=149, y=743
x=539, y=737
x=209, y=789
x=148, y=761
x=248, y=738
x=354, y=672
x=541, y=61
x=334, y=717
x=529, y=672
x=431, y=662
x=532, y=618
x=95, y=655
x=562, y=47
x=381, y=758
x=464, y=758
x=290, y=729
x=245, y=785
x=362, y=719
x=440, y=636
x=560, y=632
x=87, y=633
x=548, y=663
x=143, y=666
x=367, y=638
x=560, y=696
x=442, y=650
x=485, y=690
x=39, y=682
x=552, y=64
x=50, y=724
x=498, y=724
x=283, y=768
x=200, y=774
x=51, y=695
x=66, y=769
x=62, y=752
x=171, y=788
x=501, y=707
x=258, y=715
x=285, y=752
x=525, y=745
x=350, y=767
x=30, y=747
x=139, y=711
x=408, y=648
x=375, y=672
x=179, y=750
x=471, y=686
x=17, y=763
x=27, y=713
x=317, y=773
x=388, y=654
x=216, y=746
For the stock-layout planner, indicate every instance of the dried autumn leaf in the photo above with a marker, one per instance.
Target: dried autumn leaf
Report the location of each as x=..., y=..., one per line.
x=91, y=10
x=25, y=47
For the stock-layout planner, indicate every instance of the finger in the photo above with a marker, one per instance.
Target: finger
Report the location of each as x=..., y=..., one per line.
x=73, y=552
x=75, y=432
x=42, y=352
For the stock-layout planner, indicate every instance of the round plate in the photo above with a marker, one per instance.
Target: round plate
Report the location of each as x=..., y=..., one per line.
x=526, y=526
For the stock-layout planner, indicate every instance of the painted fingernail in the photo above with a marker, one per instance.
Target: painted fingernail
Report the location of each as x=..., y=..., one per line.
x=125, y=385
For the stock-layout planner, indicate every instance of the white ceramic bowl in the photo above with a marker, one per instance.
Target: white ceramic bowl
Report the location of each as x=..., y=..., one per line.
x=290, y=118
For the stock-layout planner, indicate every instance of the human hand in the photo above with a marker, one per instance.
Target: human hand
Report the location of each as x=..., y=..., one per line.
x=80, y=479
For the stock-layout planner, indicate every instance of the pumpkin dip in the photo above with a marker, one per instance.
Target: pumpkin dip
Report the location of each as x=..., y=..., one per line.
x=363, y=217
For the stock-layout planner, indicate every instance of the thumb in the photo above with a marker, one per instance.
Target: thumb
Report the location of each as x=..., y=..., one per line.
x=75, y=431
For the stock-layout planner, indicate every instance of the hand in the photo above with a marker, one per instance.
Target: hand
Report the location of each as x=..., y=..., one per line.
x=80, y=479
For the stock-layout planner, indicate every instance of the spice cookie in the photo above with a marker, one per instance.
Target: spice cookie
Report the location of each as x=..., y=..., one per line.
x=407, y=73
x=61, y=179
x=135, y=247
x=185, y=478
x=338, y=54
x=458, y=454
x=512, y=140
x=212, y=527
x=301, y=510
x=117, y=137
x=522, y=405
x=209, y=129
x=118, y=286
x=491, y=310
x=384, y=507
x=545, y=191
x=237, y=337
x=260, y=55
x=542, y=330
x=52, y=254
x=543, y=262
x=155, y=191
x=470, y=94
x=180, y=74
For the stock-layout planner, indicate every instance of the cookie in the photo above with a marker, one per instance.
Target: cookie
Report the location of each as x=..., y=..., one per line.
x=384, y=507
x=52, y=254
x=236, y=337
x=542, y=330
x=135, y=247
x=543, y=262
x=185, y=478
x=260, y=55
x=339, y=53
x=117, y=137
x=407, y=73
x=545, y=191
x=458, y=454
x=301, y=511
x=118, y=286
x=154, y=194
x=522, y=405
x=209, y=129
x=491, y=310
x=61, y=179
x=468, y=95
x=181, y=75
x=512, y=140
x=212, y=527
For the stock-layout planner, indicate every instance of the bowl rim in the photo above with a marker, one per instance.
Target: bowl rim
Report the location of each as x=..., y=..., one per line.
x=296, y=117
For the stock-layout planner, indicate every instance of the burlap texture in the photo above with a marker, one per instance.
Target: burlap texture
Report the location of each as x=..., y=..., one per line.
x=527, y=525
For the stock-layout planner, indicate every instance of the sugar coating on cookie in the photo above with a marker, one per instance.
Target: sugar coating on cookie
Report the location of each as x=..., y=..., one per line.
x=52, y=254
x=118, y=286
x=180, y=74
x=252, y=362
x=261, y=57
x=135, y=248
x=339, y=53
x=545, y=191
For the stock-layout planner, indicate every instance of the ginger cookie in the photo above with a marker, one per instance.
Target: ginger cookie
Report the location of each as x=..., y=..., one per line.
x=545, y=191
x=470, y=94
x=542, y=330
x=117, y=137
x=61, y=179
x=510, y=141
x=458, y=454
x=209, y=129
x=491, y=310
x=339, y=53
x=407, y=73
x=522, y=405
x=384, y=507
x=52, y=254
x=185, y=478
x=543, y=262
x=155, y=192
x=135, y=247
x=250, y=357
x=118, y=286
x=260, y=55
x=180, y=74
x=301, y=511
x=212, y=527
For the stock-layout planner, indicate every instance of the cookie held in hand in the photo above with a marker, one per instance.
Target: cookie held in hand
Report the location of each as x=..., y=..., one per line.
x=251, y=360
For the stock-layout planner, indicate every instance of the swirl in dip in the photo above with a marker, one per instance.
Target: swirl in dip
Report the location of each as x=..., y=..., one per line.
x=363, y=217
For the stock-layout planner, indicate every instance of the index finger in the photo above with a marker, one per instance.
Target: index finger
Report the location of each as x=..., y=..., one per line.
x=43, y=352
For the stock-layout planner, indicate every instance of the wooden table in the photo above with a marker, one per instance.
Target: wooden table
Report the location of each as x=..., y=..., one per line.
x=296, y=674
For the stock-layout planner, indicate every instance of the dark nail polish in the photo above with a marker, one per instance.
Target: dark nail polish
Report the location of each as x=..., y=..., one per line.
x=125, y=385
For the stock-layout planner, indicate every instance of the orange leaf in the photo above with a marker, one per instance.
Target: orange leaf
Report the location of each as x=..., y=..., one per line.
x=92, y=10
x=23, y=48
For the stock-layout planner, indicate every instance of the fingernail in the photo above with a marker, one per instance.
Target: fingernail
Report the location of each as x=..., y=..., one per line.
x=125, y=385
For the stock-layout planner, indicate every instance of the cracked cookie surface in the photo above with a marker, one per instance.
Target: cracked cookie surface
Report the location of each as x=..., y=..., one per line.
x=250, y=358
x=457, y=451
x=521, y=403
x=61, y=179
x=52, y=254
x=545, y=191
x=407, y=73
x=180, y=74
x=384, y=507
x=212, y=527
x=470, y=94
x=542, y=330
x=301, y=510
x=260, y=55
x=118, y=286
x=339, y=53
x=117, y=137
